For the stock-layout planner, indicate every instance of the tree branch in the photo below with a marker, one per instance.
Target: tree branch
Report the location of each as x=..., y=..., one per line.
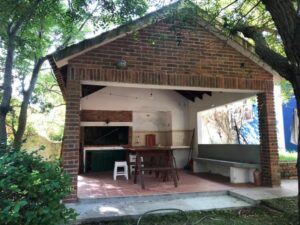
x=51, y=90
x=13, y=122
x=275, y=60
x=7, y=93
x=225, y=7
x=81, y=26
x=27, y=16
x=247, y=13
x=296, y=45
x=55, y=106
x=285, y=18
x=24, y=106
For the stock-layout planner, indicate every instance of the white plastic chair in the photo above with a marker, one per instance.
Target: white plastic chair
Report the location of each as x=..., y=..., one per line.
x=132, y=159
x=124, y=172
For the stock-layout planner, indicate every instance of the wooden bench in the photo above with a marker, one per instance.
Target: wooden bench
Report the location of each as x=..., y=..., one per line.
x=239, y=172
x=231, y=160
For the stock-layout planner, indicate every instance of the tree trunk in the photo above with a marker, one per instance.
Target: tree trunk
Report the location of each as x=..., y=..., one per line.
x=25, y=103
x=7, y=91
x=296, y=87
x=284, y=16
x=298, y=158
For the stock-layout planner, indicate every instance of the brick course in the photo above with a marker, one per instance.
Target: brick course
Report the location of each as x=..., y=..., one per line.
x=70, y=153
x=202, y=60
x=106, y=116
x=268, y=139
x=288, y=170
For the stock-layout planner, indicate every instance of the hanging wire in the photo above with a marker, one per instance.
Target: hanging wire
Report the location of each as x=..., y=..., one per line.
x=166, y=210
x=187, y=222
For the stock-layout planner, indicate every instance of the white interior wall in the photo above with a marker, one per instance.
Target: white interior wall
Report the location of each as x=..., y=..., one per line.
x=140, y=100
x=161, y=112
x=158, y=123
x=152, y=121
x=279, y=118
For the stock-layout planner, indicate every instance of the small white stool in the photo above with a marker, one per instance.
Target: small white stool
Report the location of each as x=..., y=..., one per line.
x=124, y=172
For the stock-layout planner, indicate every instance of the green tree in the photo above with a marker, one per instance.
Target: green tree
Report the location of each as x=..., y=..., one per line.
x=30, y=29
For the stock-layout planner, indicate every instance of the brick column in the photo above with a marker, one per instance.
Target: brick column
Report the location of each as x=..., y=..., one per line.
x=268, y=139
x=72, y=133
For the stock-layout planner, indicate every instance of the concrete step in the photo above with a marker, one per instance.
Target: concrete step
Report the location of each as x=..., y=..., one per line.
x=108, y=209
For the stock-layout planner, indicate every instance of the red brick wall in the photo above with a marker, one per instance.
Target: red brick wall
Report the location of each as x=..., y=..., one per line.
x=288, y=170
x=201, y=60
x=70, y=153
x=106, y=116
x=268, y=139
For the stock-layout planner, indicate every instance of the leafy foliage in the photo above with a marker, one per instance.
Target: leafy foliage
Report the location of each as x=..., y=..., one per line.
x=12, y=122
x=56, y=136
x=47, y=106
x=31, y=190
x=29, y=30
x=233, y=14
x=46, y=94
x=286, y=90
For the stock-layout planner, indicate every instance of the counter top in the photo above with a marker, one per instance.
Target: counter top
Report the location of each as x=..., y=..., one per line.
x=183, y=147
x=95, y=148
x=116, y=148
x=90, y=148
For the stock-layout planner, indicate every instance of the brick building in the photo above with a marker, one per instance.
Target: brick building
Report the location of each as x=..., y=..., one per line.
x=169, y=76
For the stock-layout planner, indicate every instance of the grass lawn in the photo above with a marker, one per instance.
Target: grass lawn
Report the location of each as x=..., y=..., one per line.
x=281, y=211
x=287, y=156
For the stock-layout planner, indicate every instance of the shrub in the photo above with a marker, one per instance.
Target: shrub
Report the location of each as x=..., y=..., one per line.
x=31, y=190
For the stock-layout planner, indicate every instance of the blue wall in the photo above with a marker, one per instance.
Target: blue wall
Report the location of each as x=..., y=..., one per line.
x=288, y=111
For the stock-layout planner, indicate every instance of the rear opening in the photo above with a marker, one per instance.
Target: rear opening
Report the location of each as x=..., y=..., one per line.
x=104, y=140
x=96, y=136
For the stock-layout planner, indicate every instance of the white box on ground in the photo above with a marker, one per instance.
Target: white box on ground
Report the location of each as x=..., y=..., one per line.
x=241, y=175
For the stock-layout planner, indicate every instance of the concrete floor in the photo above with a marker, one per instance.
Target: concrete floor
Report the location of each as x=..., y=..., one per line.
x=134, y=206
x=287, y=188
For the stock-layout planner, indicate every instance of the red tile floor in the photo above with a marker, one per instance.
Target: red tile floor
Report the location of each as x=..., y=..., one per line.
x=99, y=185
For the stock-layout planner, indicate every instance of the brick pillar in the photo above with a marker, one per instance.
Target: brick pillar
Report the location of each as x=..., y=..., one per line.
x=268, y=139
x=71, y=134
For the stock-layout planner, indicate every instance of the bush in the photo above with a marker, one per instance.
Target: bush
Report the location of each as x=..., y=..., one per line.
x=31, y=190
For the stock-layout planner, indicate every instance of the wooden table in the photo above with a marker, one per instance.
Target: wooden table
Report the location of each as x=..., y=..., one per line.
x=163, y=162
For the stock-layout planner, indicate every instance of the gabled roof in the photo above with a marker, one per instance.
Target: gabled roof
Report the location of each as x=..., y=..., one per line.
x=60, y=58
